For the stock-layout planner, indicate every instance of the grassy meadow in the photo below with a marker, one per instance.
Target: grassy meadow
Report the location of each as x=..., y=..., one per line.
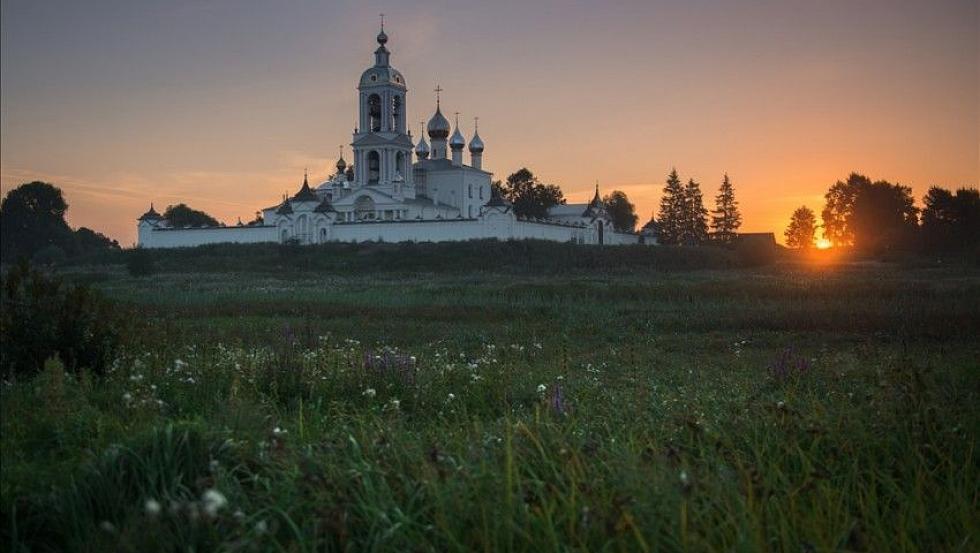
x=459, y=398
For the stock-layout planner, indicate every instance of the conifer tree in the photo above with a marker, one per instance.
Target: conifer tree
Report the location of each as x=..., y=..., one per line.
x=725, y=219
x=695, y=216
x=671, y=210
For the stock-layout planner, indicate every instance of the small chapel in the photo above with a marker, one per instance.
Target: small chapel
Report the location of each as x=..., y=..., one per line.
x=395, y=189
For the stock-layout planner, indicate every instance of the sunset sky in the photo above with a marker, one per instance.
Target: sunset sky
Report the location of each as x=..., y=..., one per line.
x=221, y=104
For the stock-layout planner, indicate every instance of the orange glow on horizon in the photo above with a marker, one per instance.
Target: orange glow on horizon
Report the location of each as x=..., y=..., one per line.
x=823, y=244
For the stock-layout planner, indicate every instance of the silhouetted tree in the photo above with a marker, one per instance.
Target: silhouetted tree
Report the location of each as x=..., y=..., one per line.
x=802, y=229
x=869, y=215
x=621, y=211
x=695, y=230
x=840, y=204
x=88, y=240
x=672, y=210
x=182, y=216
x=725, y=219
x=530, y=197
x=32, y=216
x=951, y=222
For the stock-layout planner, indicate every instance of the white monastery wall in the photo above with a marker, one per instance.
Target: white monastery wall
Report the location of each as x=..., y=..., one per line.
x=190, y=237
x=499, y=226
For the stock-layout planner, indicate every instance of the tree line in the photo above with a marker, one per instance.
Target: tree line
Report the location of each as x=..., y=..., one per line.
x=878, y=216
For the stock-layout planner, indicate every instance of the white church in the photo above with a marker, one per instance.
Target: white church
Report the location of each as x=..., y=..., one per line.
x=382, y=195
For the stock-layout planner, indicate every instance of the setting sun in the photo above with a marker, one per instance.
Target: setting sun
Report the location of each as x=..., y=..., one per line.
x=823, y=244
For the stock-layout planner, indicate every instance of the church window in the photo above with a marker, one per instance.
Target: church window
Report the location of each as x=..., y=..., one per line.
x=374, y=112
x=396, y=111
x=364, y=208
x=471, y=191
x=481, y=192
x=469, y=209
x=323, y=235
x=374, y=167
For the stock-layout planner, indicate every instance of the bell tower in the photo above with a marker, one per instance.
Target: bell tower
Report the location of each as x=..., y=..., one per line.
x=381, y=144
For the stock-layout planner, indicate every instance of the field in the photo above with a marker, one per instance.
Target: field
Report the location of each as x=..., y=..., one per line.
x=385, y=400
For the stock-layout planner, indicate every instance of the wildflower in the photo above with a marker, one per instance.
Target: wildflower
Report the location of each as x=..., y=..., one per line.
x=780, y=405
x=370, y=392
x=178, y=364
x=152, y=507
x=107, y=526
x=451, y=396
x=684, y=478
x=395, y=403
x=213, y=501
x=261, y=527
x=542, y=388
x=279, y=431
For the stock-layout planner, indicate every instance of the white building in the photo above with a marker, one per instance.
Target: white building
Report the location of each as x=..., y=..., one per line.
x=384, y=196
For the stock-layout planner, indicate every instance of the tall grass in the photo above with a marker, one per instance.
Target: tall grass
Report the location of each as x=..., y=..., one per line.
x=752, y=411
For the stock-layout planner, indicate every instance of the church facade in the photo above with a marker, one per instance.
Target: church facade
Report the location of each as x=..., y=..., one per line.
x=398, y=190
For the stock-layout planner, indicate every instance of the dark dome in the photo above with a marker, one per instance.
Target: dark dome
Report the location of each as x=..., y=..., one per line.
x=438, y=126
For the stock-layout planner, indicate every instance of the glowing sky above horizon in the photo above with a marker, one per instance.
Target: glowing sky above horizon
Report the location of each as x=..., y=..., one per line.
x=221, y=104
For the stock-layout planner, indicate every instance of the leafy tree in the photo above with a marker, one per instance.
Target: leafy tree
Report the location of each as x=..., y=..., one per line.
x=725, y=219
x=87, y=240
x=802, y=229
x=181, y=215
x=672, y=210
x=621, y=211
x=695, y=229
x=32, y=216
x=529, y=196
x=951, y=222
x=883, y=216
x=840, y=204
x=869, y=215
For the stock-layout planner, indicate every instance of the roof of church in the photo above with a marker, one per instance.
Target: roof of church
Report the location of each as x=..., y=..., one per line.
x=150, y=215
x=305, y=194
x=285, y=208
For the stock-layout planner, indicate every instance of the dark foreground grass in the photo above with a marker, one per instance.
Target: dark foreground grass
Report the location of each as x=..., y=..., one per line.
x=767, y=410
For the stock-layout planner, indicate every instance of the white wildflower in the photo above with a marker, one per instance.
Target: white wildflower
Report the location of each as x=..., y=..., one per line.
x=279, y=431
x=451, y=396
x=152, y=507
x=542, y=388
x=370, y=392
x=213, y=501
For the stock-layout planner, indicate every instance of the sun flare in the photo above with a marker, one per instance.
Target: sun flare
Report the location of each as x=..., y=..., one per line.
x=823, y=244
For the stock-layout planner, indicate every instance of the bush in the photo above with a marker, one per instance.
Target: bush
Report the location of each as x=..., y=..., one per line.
x=49, y=256
x=140, y=263
x=40, y=317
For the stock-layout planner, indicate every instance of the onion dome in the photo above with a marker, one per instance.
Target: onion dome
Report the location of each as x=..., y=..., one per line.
x=457, y=142
x=476, y=145
x=422, y=149
x=150, y=215
x=438, y=126
x=341, y=164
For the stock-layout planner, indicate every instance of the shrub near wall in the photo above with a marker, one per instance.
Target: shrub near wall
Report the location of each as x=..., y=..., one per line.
x=42, y=317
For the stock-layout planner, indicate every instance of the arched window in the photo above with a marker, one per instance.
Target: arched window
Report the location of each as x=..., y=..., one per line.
x=470, y=210
x=396, y=112
x=364, y=208
x=323, y=235
x=374, y=112
x=471, y=190
x=481, y=192
x=374, y=166
x=285, y=235
x=400, y=163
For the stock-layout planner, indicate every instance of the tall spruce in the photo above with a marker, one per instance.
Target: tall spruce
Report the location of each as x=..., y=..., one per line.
x=672, y=210
x=725, y=219
x=695, y=218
